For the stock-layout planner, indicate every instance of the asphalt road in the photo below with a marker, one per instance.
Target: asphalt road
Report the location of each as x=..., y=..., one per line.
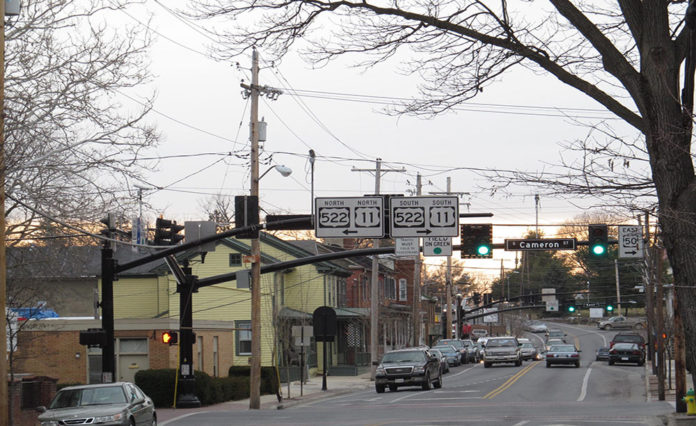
x=594, y=394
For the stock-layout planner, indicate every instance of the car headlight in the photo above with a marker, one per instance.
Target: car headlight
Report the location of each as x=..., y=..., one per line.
x=112, y=418
x=380, y=370
x=419, y=369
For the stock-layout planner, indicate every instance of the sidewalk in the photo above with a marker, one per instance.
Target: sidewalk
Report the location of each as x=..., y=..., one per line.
x=310, y=391
x=670, y=394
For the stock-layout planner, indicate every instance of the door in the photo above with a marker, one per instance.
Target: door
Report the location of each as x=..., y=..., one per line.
x=132, y=357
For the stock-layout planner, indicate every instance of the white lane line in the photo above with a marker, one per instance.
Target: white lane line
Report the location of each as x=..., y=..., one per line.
x=403, y=397
x=463, y=371
x=521, y=423
x=583, y=391
x=604, y=339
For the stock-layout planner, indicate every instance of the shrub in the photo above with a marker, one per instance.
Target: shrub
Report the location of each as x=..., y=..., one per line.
x=269, y=381
x=158, y=385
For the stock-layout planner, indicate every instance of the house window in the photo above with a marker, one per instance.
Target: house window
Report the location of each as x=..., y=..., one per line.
x=235, y=259
x=243, y=337
x=94, y=365
x=403, y=295
x=390, y=290
x=199, y=348
x=31, y=394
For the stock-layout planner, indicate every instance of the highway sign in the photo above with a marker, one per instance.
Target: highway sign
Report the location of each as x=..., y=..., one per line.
x=552, y=305
x=541, y=244
x=630, y=241
x=347, y=217
x=424, y=216
x=437, y=246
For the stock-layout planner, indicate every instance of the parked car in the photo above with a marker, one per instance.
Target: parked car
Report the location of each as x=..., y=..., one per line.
x=626, y=352
x=458, y=345
x=120, y=403
x=536, y=327
x=477, y=333
x=556, y=334
x=408, y=367
x=473, y=354
x=451, y=354
x=602, y=354
x=563, y=354
x=444, y=365
x=529, y=352
x=620, y=321
x=500, y=350
x=628, y=337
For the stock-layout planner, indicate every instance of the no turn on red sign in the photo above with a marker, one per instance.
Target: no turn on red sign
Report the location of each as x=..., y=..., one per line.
x=437, y=246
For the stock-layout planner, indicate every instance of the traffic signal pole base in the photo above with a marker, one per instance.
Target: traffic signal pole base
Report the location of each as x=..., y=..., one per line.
x=186, y=398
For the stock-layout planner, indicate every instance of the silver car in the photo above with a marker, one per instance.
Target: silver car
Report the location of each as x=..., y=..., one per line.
x=110, y=404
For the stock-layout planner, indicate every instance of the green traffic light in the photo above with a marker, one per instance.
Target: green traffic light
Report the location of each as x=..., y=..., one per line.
x=598, y=249
x=610, y=308
x=483, y=250
x=571, y=308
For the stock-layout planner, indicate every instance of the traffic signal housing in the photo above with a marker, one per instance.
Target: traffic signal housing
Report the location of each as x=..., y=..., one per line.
x=477, y=298
x=170, y=337
x=477, y=240
x=167, y=232
x=598, y=239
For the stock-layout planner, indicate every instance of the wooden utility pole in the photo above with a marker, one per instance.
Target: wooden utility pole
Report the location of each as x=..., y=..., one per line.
x=679, y=355
x=659, y=313
x=255, y=373
x=417, y=282
x=374, y=284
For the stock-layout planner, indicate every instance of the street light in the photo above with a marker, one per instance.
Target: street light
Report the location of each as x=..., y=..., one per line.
x=284, y=171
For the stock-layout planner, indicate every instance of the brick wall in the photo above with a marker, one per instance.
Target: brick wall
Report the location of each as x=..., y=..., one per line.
x=35, y=391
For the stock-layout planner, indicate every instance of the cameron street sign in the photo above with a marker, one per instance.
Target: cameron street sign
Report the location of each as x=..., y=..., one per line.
x=541, y=244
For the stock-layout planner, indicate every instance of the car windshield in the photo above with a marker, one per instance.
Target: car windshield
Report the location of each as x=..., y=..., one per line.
x=455, y=343
x=88, y=396
x=436, y=352
x=562, y=348
x=408, y=356
x=446, y=349
x=499, y=343
x=527, y=345
x=628, y=338
x=467, y=343
x=555, y=333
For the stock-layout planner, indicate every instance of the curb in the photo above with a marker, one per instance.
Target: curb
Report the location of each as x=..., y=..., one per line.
x=318, y=396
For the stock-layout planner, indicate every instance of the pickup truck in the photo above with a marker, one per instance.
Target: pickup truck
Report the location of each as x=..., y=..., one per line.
x=620, y=321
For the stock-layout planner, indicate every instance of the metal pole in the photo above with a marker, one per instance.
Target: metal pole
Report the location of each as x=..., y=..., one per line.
x=255, y=372
x=417, y=282
x=374, y=289
x=107, y=305
x=618, y=290
x=186, y=397
x=448, y=280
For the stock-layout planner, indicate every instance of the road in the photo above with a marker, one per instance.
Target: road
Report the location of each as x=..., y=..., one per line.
x=594, y=394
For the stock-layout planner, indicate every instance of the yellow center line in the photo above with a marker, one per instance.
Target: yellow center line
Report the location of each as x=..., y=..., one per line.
x=495, y=392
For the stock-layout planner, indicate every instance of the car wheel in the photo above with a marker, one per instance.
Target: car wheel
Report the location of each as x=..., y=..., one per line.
x=518, y=362
x=154, y=421
x=548, y=365
x=597, y=359
x=438, y=382
x=379, y=388
x=611, y=362
x=486, y=364
x=641, y=363
x=132, y=422
x=577, y=364
x=638, y=326
x=426, y=383
x=607, y=327
x=393, y=388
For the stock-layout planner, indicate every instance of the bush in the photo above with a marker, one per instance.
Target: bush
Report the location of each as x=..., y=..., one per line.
x=269, y=381
x=159, y=385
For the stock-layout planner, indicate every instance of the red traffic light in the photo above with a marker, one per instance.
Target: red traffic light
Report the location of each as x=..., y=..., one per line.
x=170, y=337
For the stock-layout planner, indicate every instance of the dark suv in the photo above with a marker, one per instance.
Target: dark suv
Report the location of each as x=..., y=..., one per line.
x=628, y=337
x=458, y=345
x=408, y=367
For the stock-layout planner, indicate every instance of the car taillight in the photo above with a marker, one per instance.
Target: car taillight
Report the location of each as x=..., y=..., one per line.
x=637, y=352
x=612, y=351
x=574, y=355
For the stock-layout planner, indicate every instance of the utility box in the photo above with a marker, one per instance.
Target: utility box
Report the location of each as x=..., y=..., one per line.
x=12, y=7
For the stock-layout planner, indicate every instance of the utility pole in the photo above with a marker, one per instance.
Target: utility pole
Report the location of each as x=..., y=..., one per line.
x=679, y=355
x=618, y=290
x=107, y=303
x=374, y=284
x=417, y=282
x=254, y=91
x=448, y=274
x=659, y=312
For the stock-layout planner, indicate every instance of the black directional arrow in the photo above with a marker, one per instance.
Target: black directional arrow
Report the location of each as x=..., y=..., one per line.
x=425, y=231
x=347, y=231
x=632, y=252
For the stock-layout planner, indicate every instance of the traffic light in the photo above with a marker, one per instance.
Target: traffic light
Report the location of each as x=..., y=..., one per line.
x=487, y=298
x=477, y=241
x=477, y=298
x=170, y=337
x=167, y=232
x=571, y=308
x=598, y=239
x=610, y=308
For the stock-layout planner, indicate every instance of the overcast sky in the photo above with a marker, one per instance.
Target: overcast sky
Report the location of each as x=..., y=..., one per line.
x=202, y=116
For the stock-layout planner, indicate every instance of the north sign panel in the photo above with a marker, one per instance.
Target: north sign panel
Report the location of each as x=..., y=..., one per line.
x=424, y=216
x=349, y=217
